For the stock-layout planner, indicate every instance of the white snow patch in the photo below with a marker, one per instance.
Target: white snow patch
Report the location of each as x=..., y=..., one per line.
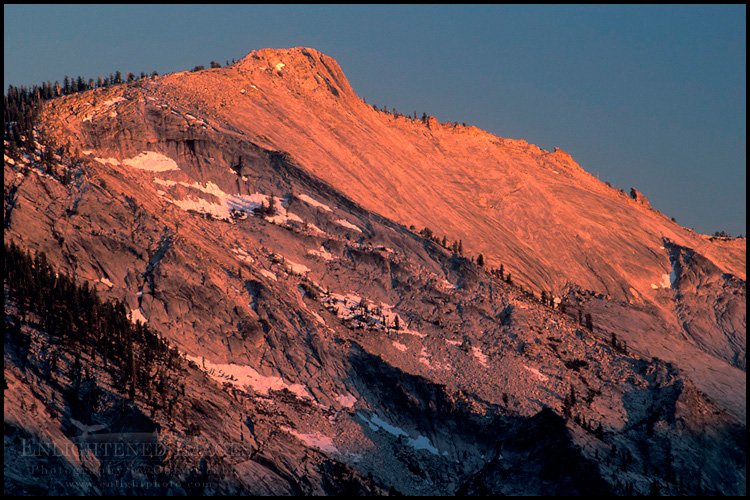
x=424, y=357
x=319, y=318
x=346, y=400
x=398, y=345
x=420, y=443
x=347, y=224
x=448, y=285
x=279, y=66
x=666, y=281
x=113, y=161
x=107, y=282
x=295, y=268
x=376, y=423
x=538, y=374
x=244, y=376
x=137, y=315
x=282, y=216
x=228, y=202
x=672, y=275
x=268, y=274
x=242, y=255
x=314, y=440
x=322, y=253
x=151, y=161
x=379, y=317
x=315, y=229
x=313, y=202
x=110, y=102
x=479, y=355
x=413, y=332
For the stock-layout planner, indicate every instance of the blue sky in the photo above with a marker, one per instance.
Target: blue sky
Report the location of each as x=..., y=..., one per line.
x=652, y=97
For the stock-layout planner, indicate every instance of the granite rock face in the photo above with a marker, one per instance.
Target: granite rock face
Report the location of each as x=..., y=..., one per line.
x=352, y=354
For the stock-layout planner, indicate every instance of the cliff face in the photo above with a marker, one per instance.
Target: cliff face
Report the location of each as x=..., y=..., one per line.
x=553, y=226
x=297, y=309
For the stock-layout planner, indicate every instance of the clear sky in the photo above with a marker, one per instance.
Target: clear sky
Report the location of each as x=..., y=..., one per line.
x=651, y=97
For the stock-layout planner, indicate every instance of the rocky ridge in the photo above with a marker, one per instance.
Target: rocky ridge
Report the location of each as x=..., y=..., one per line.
x=293, y=314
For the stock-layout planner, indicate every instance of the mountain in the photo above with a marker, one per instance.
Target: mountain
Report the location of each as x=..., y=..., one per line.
x=349, y=352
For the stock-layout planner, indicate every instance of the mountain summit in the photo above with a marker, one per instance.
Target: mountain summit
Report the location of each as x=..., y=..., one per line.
x=418, y=305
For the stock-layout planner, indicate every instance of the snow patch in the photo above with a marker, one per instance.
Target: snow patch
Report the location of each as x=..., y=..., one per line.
x=295, y=268
x=244, y=376
x=347, y=224
x=227, y=204
x=110, y=102
x=316, y=230
x=666, y=281
x=322, y=253
x=113, y=161
x=414, y=332
x=346, y=400
x=424, y=357
x=376, y=423
x=152, y=162
x=319, y=318
x=422, y=443
x=672, y=274
x=314, y=440
x=538, y=374
x=137, y=315
x=398, y=345
x=448, y=285
x=243, y=255
x=479, y=355
x=107, y=282
x=313, y=202
x=268, y=274
x=419, y=443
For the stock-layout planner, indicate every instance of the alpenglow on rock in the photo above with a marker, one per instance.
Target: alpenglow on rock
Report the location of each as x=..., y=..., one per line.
x=300, y=251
